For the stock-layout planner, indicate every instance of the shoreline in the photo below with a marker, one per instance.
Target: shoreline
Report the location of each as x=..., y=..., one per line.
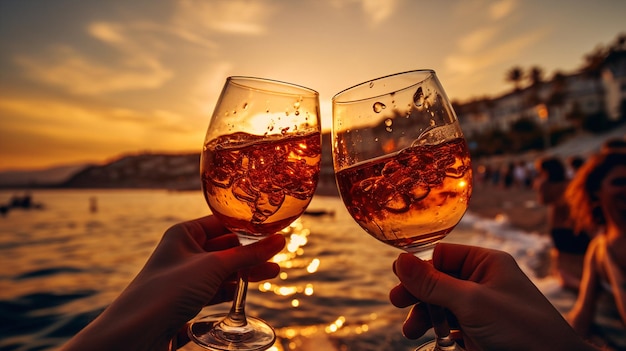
x=518, y=204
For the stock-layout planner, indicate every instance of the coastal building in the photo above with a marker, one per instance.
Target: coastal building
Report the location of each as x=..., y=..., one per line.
x=554, y=103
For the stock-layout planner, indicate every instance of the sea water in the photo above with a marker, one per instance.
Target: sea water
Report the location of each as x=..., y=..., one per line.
x=64, y=262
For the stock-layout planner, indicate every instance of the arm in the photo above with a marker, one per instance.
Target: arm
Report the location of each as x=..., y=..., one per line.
x=582, y=313
x=191, y=267
x=496, y=305
x=618, y=284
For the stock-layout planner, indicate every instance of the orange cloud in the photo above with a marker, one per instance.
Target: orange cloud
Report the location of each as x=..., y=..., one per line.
x=502, y=8
x=68, y=69
x=226, y=16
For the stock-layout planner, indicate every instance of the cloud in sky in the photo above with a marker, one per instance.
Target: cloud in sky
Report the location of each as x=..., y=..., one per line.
x=100, y=131
x=206, y=86
x=136, y=64
x=379, y=10
x=138, y=47
x=224, y=16
x=140, y=69
x=375, y=11
x=491, y=42
x=467, y=62
x=66, y=68
x=502, y=8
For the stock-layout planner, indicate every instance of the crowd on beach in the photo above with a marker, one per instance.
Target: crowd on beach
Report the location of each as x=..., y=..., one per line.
x=586, y=224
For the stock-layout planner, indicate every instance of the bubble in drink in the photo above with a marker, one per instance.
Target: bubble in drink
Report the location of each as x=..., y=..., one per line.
x=378, y=107
x=418, y=98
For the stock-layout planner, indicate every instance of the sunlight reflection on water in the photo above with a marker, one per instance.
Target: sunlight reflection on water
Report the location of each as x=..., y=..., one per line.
x=64, y=263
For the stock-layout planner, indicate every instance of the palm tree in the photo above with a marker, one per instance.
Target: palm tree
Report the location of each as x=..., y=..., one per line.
x=515, y=75
x=594, y=60
x=535, y=78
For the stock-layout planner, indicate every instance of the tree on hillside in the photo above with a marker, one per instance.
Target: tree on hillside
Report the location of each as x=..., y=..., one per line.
x=535, y=79
x=594, y=61
x=535, y=76
x=620, y=43
x=515, y=75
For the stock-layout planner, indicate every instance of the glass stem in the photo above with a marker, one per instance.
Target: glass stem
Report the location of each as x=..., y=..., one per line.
x=442, y=329
x=237, y=315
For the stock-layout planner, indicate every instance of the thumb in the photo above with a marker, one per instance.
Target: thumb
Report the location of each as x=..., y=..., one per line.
x=241, y=257
x=426, y=283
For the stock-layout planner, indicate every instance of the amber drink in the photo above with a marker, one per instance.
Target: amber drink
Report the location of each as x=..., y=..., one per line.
x=259, y=168
x=257, y=186
x=410, y=199
x=403, y=167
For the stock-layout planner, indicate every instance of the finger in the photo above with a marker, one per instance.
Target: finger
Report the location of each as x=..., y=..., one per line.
x=205, y=228
x=251, y=255
x=182, y=338
x=220, y=243
x=426, y=283
x=225, y=293
x=227, y=289
x=417, y=322
x=450, y=258
x=401, y=298
x=264, y=271
x=474, y=263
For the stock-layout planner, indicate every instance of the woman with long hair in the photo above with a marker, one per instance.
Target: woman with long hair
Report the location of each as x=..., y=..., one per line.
x=597, y=197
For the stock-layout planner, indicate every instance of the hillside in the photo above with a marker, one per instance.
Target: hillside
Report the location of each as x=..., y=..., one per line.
x=166, y=171
x=181, y=171
x=39, y=177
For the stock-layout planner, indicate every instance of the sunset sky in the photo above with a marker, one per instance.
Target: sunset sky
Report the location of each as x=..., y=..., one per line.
x=89, y=80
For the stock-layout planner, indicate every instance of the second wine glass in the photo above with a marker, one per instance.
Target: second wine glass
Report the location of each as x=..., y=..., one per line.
x=402, y=165
x=259, y=169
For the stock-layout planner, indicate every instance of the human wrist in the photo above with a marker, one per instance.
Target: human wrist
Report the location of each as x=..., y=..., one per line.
x=136, y=320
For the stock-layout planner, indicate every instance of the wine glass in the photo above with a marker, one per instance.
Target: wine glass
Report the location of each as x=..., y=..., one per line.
x=402, y=166
x=259, y=169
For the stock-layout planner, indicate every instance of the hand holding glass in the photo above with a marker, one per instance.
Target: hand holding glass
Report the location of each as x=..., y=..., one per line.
x=402, y=165
x=259, y=167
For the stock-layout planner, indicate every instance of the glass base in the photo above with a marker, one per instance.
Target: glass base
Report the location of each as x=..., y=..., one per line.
x=209, y=333
x=432, y=346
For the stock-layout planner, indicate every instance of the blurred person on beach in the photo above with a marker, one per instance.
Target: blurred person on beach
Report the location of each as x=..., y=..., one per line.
x=569, y=245
x=194, y=265
x=520, y=174
x=496, y=175
x=573, y=165
x=597, y=196
x=508, y=177
x=495, y=304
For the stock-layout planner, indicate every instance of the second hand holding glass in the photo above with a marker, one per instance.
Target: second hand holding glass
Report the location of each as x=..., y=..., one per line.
x=259, y=169
x=402, y=166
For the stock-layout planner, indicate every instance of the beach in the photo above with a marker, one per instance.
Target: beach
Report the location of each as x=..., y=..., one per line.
x=516, y=209
x=517, y=205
